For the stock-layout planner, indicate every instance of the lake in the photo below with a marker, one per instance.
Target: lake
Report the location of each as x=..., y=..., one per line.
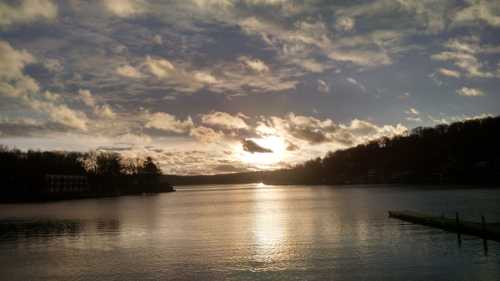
x=249, y=232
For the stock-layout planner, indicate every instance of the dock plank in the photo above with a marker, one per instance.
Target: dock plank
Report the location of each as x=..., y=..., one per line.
x=490, y=231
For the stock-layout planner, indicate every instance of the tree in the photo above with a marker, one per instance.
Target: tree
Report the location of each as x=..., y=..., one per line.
x=150, y=167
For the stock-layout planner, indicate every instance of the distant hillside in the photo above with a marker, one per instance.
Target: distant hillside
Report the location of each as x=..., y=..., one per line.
x=235, y=178
x=465, y=152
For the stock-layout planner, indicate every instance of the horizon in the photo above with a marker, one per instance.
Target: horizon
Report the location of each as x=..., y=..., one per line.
x=213, y=87
x=127, y=160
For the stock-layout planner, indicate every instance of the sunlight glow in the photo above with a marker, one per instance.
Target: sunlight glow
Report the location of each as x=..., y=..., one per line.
x=275, y=143
x=261, y=185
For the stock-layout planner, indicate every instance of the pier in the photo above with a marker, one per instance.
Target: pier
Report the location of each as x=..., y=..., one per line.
x=487, y=231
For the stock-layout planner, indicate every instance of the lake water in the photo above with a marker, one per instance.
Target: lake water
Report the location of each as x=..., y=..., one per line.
x=248, y=232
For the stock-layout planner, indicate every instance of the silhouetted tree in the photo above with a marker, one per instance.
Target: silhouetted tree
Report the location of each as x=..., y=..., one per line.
x=149, y=167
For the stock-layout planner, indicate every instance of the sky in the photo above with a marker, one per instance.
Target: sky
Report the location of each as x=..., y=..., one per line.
x=220, y=86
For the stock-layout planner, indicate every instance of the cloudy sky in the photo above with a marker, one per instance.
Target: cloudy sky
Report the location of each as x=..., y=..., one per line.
x=216, y=86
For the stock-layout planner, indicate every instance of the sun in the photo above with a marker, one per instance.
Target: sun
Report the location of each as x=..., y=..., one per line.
x=263, y=160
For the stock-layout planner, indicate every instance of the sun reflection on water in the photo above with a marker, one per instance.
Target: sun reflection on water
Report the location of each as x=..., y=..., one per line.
x=270, y=230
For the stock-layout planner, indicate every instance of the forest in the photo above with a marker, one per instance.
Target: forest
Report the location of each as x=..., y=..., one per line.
x=466, y=152
x=24, y=175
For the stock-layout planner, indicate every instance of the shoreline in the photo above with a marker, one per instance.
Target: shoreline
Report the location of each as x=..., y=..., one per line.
x=76, y=197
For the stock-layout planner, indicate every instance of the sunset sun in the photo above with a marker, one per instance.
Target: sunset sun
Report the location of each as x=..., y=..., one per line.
x=276, y=146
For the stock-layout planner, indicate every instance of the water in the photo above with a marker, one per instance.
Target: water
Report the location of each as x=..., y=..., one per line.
x=248, y=232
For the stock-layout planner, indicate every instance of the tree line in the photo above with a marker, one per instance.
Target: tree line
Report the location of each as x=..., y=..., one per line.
x=466, y=152
x=23, y=173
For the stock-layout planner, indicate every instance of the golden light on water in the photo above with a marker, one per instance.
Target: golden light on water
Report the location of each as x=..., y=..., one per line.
x=269, y=229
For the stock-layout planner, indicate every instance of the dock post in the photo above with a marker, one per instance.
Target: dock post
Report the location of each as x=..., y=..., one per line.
x=485, y=242
x=459, y=237
x=483, y=223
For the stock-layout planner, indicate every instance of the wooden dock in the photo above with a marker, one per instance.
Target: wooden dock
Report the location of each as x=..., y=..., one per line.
x=488, y=231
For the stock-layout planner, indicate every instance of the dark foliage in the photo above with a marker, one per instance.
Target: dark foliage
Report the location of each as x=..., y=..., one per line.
x=461, y=153
x=23, y=174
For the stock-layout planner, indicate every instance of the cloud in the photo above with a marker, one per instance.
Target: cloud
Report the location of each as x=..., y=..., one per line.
x=53, y=65
x=458, y=118
x=345, y=24
x=369, y=50
x=413, y=115
x=26, y=11
x=470, y=92
x=252, y=147
x=254, y=64
x=125, y=8
x=323, y=87
x=292, y=147
x=449, y=72
x=25, y=127
x=487, y=12
x=311, y=131
x=196, y=161
x=181, y=77
x=87, y=98
x=234, y=79
x=13, y=81
x=129, y=71
x=205, y=77
x=299, y=43
x=61, y=113
x=114, y=148
x=225, y=120
x=429, y=16
x=226, y=78
x=464, y=53
x=364, y=131
x=404, y=96
x=167, y=122
x=159, y=67
x=131, y=139
x=311, y=65
x=414, y=119
x=412, y=111
x=357, y=83
x=299, y=131
x=23, y=90
x=105, y=111
x=363, y=58
x=206, y=135
x=229, y=168
x=157, y=39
